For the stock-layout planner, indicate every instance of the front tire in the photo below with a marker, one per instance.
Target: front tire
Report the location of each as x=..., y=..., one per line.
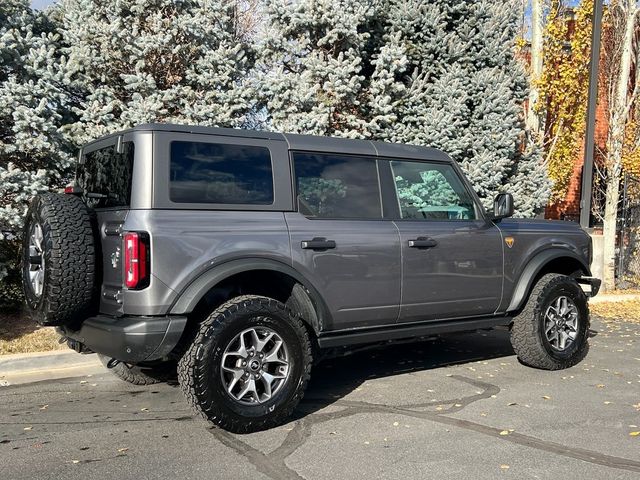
x=551, y=331
x=248, y=365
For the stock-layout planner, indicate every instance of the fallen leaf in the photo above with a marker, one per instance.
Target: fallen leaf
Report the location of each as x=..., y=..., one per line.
x=634, y=434
x=122, y=450
x=395, y=424
x=27, y=428
x=600, y=385
x=504, y=467
x=636, y=406
x=366, y=443
x=145, y=409
x=546, y=397
x=75, y=461
x=44, y=407
x=82, y=382
x=511, y=404
x=608, y=403
x=504, y=432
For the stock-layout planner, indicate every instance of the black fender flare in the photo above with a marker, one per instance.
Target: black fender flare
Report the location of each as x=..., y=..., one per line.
x=195, y=291
x=533, y=267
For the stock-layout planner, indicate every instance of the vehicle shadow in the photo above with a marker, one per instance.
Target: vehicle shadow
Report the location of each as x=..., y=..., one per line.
x=336, y=377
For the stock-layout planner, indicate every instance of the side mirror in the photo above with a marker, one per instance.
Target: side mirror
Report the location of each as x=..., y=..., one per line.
x=502, y=206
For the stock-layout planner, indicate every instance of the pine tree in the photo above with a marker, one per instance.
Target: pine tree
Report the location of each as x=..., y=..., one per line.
x=182, y=61
x=34, y=155
x=436, y=73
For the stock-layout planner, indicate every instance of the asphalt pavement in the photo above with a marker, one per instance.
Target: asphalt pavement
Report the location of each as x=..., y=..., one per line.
x=458, y=406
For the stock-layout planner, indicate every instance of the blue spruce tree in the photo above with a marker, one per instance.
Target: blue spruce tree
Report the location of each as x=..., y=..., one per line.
x=439, y=73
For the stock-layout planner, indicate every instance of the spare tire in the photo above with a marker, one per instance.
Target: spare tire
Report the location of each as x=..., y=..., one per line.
x=59, y=260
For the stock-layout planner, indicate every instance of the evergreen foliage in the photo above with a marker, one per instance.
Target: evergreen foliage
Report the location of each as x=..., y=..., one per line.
x=437, y=73
x=180, y=61
x=34, y=154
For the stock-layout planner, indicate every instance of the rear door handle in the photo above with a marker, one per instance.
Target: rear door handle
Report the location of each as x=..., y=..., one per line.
x=423, y=242
x=318, y=243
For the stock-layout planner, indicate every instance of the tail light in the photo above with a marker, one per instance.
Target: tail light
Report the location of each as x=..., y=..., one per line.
x=73, y=190
x=136, y=260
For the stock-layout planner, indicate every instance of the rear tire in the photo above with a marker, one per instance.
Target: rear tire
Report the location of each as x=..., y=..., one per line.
x=59, y=260
x=143, y=374
x=214, y=373
x=540, y=330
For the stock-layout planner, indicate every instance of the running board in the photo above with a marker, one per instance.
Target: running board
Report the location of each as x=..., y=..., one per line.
x=397, y=332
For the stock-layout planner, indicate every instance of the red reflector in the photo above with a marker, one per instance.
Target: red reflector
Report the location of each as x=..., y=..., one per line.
x=136, y=273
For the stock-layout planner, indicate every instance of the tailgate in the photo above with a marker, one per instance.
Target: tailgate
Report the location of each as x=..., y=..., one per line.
x=110, y=223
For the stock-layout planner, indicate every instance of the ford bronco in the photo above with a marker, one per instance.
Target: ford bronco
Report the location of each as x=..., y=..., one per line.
x=232, y=258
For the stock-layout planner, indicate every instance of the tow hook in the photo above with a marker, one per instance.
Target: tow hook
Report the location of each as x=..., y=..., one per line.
x=74, y=345
x=77, y=346
x=113, y=362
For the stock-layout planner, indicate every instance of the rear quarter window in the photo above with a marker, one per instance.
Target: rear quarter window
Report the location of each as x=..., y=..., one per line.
x=202, y=172
x=106, y=175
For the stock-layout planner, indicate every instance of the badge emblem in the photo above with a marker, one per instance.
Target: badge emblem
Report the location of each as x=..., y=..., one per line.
x=115, y=256
x=509, y=241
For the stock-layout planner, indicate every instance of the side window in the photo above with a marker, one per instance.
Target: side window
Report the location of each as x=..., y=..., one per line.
x=202, y=172
x=337, y=186
x=105, y=176
x=431, y=192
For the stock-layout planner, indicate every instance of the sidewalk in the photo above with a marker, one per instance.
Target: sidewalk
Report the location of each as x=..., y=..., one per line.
x=32, y=367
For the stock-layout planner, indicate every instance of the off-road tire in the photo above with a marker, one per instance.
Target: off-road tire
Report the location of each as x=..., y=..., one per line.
x=69, y=251
x=142, y=374
x=527, y=332
x=199, y=369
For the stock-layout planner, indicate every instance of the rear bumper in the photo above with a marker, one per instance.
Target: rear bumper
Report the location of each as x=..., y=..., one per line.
x=129, y=339
x=590, y=285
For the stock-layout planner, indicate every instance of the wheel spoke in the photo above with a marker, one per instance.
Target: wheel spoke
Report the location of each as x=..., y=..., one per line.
x=550, y=324
x=237, y=375
x=267, y=381
x=248, y=388
x=562, y=339
x=272, y=356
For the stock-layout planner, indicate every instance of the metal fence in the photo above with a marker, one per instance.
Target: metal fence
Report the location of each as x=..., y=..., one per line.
x=628, y=251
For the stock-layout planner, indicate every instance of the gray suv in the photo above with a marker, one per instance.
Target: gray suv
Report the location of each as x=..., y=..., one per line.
x=235, y=258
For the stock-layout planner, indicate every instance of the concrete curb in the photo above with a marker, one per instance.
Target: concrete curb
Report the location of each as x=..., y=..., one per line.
x=620, y=297
x=24, y=363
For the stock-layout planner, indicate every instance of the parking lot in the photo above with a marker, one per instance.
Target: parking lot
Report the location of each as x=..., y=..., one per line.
x=458, y=406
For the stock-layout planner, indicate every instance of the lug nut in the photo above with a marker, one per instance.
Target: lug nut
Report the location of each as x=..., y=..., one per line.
x=244, y=363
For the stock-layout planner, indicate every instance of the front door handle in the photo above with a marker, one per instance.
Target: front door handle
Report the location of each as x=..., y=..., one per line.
x=423, y=242
x=318, y=243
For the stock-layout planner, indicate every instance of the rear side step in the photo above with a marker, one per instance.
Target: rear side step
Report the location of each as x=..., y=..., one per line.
x=396, y=332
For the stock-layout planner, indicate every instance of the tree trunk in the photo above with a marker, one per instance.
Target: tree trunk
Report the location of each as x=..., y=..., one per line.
x=615, y=142
x=533, y=119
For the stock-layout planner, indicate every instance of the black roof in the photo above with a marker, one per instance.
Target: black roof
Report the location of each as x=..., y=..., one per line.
x=308, y=142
